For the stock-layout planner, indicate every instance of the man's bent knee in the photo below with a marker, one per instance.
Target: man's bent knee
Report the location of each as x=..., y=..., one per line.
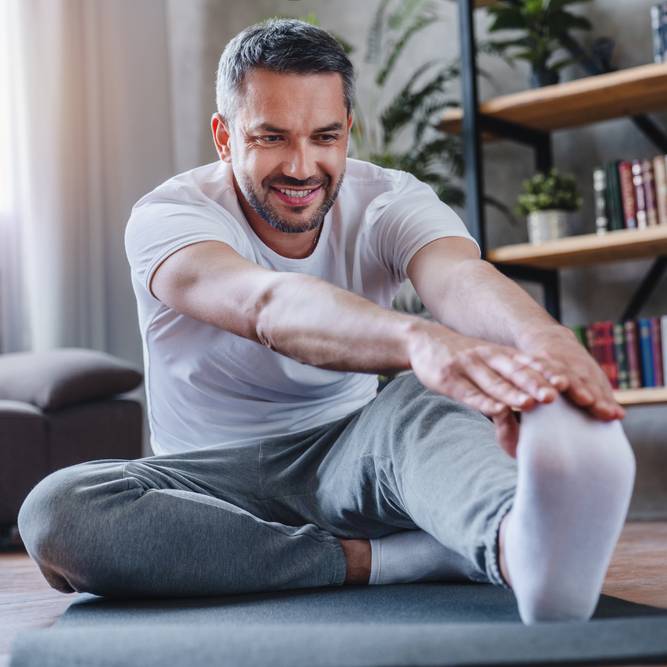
x=55, y=521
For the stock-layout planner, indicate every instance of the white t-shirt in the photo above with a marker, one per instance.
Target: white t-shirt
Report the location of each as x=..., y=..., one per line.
x=208, y=387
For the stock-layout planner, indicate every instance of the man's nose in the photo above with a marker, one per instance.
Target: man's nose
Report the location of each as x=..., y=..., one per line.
x=300, y=162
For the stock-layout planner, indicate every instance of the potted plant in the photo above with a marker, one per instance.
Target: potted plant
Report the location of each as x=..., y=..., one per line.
x=548, y=200
x=543, y=27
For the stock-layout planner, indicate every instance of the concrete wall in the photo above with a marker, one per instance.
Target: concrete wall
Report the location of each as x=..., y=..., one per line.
x=199, y=30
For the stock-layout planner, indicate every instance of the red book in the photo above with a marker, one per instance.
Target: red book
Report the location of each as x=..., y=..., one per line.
x=640, y=194
x=656, y=342
x=628, y=194
x=649, y=191
x=632, y=352
x=602, y=349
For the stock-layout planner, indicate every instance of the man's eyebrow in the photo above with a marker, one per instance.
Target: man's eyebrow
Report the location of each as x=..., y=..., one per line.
x=330, y=128
x=267, y=127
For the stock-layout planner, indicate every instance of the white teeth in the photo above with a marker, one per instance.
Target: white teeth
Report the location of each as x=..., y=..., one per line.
x=296, y=193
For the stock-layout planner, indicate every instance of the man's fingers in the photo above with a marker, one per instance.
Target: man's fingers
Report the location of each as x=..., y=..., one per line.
x=470, y=394
x=553, y=371
x=496, y=386
x=519, y=370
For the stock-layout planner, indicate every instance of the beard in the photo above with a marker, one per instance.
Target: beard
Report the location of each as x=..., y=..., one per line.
x=273, y=218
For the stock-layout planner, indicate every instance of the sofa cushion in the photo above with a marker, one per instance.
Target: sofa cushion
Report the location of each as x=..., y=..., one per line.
x=57, y=378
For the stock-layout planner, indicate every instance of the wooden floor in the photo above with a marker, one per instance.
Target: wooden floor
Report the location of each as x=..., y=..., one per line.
x=637, y=573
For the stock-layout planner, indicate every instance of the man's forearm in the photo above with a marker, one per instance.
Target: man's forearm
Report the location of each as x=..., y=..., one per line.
x=320, y=324
x=480, y=301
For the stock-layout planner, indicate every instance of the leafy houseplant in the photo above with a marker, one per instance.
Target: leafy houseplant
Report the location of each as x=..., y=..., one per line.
x=543, y=26
x=547, y=199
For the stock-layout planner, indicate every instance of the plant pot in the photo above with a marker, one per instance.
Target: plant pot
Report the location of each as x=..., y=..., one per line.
x=547, y=225
x=543, y=76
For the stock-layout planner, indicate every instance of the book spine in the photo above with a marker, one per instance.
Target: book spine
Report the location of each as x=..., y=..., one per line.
x=579, y=331
x=621, y=357
x=632, y=354
x=656, y=340
x=628, y=194
x=646, y=352
x=660, y=172
x=600, y=196
x=663, y=329
x=616, y=220
x=656, y=30
x=649, y=191
x=640, y=194
x=603, y=344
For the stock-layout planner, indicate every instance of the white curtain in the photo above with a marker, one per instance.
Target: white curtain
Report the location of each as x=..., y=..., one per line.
x=87, y=130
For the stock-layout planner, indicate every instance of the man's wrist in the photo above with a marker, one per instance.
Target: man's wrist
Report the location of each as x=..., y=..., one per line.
x=543, y=335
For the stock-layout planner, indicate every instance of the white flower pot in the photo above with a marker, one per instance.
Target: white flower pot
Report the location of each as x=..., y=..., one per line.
x=547, y=225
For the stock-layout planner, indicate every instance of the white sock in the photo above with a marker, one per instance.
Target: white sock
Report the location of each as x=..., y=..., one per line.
x=414, y=555
x=575, y=479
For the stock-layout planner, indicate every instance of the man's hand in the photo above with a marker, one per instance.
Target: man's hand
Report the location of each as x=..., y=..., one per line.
x=587, y=385
x=494, y=379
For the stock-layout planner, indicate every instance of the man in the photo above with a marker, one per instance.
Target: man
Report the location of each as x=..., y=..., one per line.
x=264, y=283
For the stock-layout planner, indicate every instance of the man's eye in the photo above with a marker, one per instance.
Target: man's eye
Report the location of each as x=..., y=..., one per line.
x=268, y=138
x=328, y=137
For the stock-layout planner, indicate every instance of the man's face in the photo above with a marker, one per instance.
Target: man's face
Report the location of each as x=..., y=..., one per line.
x=287, y=147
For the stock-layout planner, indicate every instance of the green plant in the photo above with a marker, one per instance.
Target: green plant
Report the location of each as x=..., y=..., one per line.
x=543, y=26
x=398, y=130
x=554, y=190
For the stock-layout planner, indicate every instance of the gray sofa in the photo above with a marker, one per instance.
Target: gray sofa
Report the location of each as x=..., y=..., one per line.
x=59, y=408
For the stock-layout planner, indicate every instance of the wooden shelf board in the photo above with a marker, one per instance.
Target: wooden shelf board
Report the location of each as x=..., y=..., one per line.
x=641, y=396
x=595, y=98
x=614, y=246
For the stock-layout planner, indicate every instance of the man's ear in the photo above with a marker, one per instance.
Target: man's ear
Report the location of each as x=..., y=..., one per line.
x=221, y=137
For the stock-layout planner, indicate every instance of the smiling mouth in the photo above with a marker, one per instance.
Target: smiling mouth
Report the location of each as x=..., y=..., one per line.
x=296, y=197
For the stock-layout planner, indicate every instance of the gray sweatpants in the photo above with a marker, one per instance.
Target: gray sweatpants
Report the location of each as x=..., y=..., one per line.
x=268, y=516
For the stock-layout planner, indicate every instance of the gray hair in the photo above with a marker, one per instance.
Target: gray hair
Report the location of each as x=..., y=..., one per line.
x=279, y=45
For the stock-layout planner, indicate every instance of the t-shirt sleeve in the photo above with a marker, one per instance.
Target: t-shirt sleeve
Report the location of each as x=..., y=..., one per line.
x=408, y=217
x=157, y=229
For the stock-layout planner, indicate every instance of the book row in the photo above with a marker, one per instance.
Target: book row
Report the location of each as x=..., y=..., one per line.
x=630, y=194
x=632, y=354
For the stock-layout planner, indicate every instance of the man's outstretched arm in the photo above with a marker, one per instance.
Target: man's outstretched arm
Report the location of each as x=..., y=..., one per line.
x=471, y=296
x=320, y=324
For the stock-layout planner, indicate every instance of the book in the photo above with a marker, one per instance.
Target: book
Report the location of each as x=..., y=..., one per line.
x=614, y=203
x=656, y=341
x=656, y=31
x=600, y=199
x=602, y=349
x=620, y=357
x=660, y=173
x=649, y=193
x=632, y=354
x=580, y=332
x=628, y=194
x=640, y=193
x=646, y=351
x=663, y=328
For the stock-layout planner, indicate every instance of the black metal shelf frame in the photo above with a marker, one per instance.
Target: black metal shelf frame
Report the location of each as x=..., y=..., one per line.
x=475, y=122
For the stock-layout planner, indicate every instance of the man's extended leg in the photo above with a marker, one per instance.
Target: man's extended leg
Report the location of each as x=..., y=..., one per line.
x=439, y=461
x=173, y=525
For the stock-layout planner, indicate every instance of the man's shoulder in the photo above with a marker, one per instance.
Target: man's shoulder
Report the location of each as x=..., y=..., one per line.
x=193, y=186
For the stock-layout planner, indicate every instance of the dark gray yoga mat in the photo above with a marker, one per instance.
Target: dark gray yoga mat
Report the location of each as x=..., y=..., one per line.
x=379, y=626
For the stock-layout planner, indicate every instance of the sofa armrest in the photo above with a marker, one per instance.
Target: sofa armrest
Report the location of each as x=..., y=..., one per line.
x=55, y=379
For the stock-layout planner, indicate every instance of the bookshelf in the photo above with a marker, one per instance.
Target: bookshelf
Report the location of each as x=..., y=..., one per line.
x=530, y=117
x=593, y=99
x=585, y=249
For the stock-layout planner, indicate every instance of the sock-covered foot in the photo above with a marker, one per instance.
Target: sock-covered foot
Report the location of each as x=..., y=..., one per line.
x=575, y=480
x=414, y=555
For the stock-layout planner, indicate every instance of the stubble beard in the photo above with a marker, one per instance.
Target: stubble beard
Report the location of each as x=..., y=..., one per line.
x=273, y=218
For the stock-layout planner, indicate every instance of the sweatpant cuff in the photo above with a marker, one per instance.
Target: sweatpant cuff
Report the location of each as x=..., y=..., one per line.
x=493, y=548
